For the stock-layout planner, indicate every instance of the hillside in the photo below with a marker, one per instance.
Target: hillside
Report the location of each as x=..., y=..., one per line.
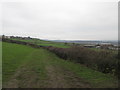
x=28, y=67
x=44, y=43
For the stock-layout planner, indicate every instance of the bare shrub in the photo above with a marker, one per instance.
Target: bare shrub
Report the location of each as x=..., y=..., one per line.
x=103, y=61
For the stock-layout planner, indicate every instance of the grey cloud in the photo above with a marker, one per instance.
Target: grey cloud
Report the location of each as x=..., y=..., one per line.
x=61, y=20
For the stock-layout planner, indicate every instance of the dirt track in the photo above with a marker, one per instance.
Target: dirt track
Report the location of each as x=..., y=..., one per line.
x=55, y=76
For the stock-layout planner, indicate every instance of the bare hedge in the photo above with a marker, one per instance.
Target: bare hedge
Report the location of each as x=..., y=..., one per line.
x=103, y=61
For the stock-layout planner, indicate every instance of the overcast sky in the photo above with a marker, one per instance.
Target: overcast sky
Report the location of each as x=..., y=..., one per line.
x=61, y=19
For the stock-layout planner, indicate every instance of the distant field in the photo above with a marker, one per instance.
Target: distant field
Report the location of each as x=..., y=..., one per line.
x=60, y=44
x=24, y=66
x=46, y=43
x=98, y=49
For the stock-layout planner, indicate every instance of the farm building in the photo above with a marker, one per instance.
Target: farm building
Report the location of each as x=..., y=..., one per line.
x=106, y=45
x=89, y=46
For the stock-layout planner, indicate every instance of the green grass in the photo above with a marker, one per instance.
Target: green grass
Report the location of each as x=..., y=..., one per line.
x=97, y=79
x=14, y=56
x=45, y=43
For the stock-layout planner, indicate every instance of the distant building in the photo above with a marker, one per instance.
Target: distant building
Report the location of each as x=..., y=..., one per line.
x=113, y=48
x=89, y=46
x=106, y=45
x=98, y=46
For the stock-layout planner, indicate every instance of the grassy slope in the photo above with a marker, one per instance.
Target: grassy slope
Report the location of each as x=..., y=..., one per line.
x=46, y=43
x=14, y=56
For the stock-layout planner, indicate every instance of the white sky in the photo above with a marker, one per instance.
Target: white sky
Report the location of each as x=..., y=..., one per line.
x=61, y=19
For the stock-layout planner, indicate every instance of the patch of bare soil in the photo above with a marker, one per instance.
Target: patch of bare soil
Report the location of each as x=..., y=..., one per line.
x=24, y=78
x=58, y=77
x=61, y=78
x=56, y=80
x=13, y=82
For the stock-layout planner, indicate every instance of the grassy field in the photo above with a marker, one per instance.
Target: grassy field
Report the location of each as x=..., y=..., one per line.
x=46, y=43
x=13, y=56
x=24, y=66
